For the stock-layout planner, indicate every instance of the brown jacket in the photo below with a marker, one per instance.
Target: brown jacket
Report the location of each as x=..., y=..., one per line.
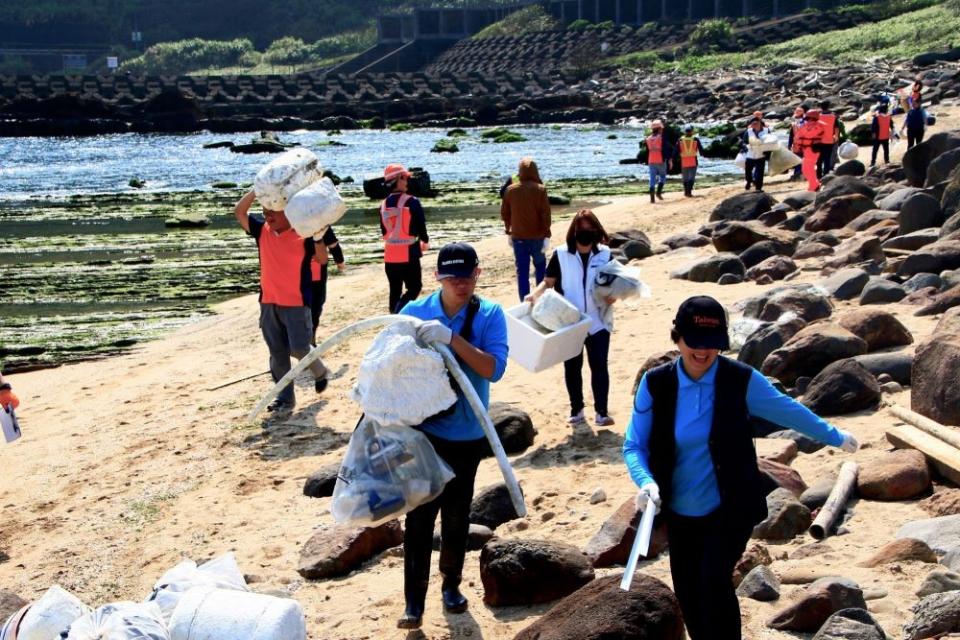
x=525, y=208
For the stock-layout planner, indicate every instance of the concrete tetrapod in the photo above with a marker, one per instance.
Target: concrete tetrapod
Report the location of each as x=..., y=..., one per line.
x=516, y=497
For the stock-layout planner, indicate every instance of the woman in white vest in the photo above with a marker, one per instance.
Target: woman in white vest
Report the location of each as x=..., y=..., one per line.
x=572, y=271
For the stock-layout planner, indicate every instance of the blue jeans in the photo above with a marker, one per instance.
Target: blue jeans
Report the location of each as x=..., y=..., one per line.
x=523, y=251
x=658, y=174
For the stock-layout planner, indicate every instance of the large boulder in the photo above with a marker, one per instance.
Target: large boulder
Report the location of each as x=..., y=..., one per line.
x=940, y=303
x=897, y=475
x=895, y=200
x=738, y=236
x=766, y=339
x=936, y=360
x=680, y=240
x=757, y=253
x=850, y=168
x=339, y=549
x=949, y=322
x=786, y=517
x=855, y=250
x=938, y=581
x=780, y=476
x=850, y=624
x=601, y=611
x=760, y=584
x=806, y=250
x=934, y=616
x=913, y=240
x=901, y=550
x=871, y=218
x=846, y=284
x=917, y=159
x=773, y=268
x=941, y=534
x=881, y=291
x=898, y=366
x=842, y=387
x=879, y=329
x=521, y=572
x=933, y=258
x=810, y=350
x=941, y=167
x=743, y=206
x=612, y=543
x=920, y=211
x=816, y=606
x=839, y=212
x=843, y=186
x=514, y=427
x=807, y=303
x=710, y=269
x=950, y=200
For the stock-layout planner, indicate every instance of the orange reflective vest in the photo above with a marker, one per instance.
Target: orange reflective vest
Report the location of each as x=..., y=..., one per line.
x=688, y=152
x=883, y=126
x=655, y=150
x=829, y=122
x=810, y=134
x=796, y=135
x=397, y=239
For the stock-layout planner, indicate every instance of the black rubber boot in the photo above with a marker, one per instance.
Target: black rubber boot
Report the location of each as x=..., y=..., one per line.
x=653, y=198
x=660, y=191
x=453, y=600
x=415, y=593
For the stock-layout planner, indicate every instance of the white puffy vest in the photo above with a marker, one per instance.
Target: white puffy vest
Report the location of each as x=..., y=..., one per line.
x=574, y=290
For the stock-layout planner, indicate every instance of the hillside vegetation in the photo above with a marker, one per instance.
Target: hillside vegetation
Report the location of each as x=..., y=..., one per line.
x=528, y=20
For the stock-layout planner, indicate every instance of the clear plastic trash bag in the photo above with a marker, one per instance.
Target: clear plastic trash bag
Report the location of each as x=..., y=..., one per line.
x=386, y=472
x=120, y=621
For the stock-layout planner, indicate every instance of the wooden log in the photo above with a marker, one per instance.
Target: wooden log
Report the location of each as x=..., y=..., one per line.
x=836, y=501
x=950, y=435
x=944, y=458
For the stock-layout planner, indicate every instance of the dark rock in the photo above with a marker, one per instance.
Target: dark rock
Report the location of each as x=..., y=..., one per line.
x=601, y=611
x=812, y=250
x=921, y=297
x=637, y=250
x=856, y=250
x=757, y=253
x=477, y=536
x=806, y=444
x=760, y=584
x=871, y=218
x=850, y=624
x=655, y=360
x=320, y=483
x=846, y=283
x=879, y=329
x=794, y=222
x=921, y=281
x=774, y=216
x=940, y=303
x=686, y=240
x=917, y=159
x=816, y=606
x=839, y=212
x=936, y=360
x=755, y=555
x=492, y=506
x=913, y=240
x=808, y=304
x=920, y=211
x=902, y=550
x=897, y=365
x=934, y=616
x=799, y=199
x=941, y=534
x=812, y=349
x=938, y=581
x=710, y=269
x=738, y=236
x=951, y=225
x=612, y=543
x=881, y=291
x=895, y=200
x=10, y=603
x=941, y=167
x=774, y=267
x=743, y=206
x=843, y=186
x=949, y=322
x=850, y=168
x=816, y=496
x=787, y=517
x=521, y=572
x=514, y=427
x=339, y=549
x=767, y=339
x=620, y=238
x=842, y=387
x=780, y=476
x=730, y=278
x=898, y=475
x=950, y=200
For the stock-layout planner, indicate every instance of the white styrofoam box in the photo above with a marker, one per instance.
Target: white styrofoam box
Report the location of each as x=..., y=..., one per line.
x=535, y=350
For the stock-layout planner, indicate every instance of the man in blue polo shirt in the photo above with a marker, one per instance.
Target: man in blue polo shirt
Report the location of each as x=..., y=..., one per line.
x=476, y=331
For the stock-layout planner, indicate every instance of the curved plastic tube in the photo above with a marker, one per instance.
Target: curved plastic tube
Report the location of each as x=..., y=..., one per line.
x=641, y=546
x=455, y=370
x=836, y=502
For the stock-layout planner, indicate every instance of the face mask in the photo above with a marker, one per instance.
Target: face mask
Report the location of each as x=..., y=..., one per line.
x=585, y=237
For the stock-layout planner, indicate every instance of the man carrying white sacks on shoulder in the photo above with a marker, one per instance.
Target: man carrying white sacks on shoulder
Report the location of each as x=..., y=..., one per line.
x=285, y=294
x=689, y=447
x=476, y=332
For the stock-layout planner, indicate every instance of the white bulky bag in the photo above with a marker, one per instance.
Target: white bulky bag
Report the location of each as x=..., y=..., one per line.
x=219, y=573
x=769, y=142
x=314, y=208
x=619, y=281
x=386, y=472
x=218, y=614
x=400, y=382
x=554, y=312
x=782, y=159
x=284, y=176
x=9, y=424
x=848, y=151
x=51, y=615
x=741, y=160
x=121, y=621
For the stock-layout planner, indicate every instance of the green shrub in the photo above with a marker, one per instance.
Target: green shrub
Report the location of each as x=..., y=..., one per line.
x=579, y=25
x=711, y=33
x=530, y=19
x=188, y=55
x=599, y=26
x=640, y=59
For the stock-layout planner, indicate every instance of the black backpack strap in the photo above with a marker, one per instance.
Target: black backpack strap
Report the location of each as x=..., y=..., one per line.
x=473, y=307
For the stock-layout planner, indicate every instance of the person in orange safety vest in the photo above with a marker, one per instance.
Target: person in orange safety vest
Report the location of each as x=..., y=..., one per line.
x=882, y=129
x=659, y=154
x=404, y=230
x=686, y=154
x=829, y=139
x=809, y=136
x=798, y=115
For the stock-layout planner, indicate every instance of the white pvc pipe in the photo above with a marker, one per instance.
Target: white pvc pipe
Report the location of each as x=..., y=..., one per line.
x=641, y=545
x=513, y=487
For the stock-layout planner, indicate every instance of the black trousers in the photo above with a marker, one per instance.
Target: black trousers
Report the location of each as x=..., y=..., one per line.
x=318, y=298
x=753, y=171
x=598, y=347
x=453, y=505
x=703, y=554
x=400, y=274
x=914, y=136
x=877, y=144
x=825, y=161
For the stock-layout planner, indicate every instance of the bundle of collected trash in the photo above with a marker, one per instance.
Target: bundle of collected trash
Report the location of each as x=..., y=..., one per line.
x=189, y=602
x=620, y=282
x=294, y=183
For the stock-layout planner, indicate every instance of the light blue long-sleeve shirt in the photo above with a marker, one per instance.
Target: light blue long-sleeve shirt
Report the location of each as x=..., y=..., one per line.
x=695, y=491
x=488, y=333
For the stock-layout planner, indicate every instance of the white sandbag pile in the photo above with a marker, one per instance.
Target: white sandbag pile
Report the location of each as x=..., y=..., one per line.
x=294, y=183
x=222, y=614
x=312, y=209
x=219, y=573
x=121, y=621
x=554, y=312
x=400, y=382
x=46, y=618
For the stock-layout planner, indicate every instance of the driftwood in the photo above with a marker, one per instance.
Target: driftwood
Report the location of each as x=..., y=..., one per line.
x=944, y=458
x=950, y=435
x=836, y=501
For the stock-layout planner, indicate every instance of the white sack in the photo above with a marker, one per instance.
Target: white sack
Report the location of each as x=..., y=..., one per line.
x=769, y=142
x=741, y=160
x=401, y=383
x=782, y=159
x=848, y=150
x=554, y=312
x=312, y=209
x=9, y=424
x=218, y=614
x=284, y=176
x=121, y=621
x=51, y=615
x=220, y=573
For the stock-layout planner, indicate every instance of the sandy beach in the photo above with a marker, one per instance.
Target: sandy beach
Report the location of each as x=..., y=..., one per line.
x=130, y=464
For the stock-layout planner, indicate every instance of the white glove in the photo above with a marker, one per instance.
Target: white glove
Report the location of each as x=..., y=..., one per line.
x=434, y=331
x=546, y=245
x=849, y=443
x=648, y=493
